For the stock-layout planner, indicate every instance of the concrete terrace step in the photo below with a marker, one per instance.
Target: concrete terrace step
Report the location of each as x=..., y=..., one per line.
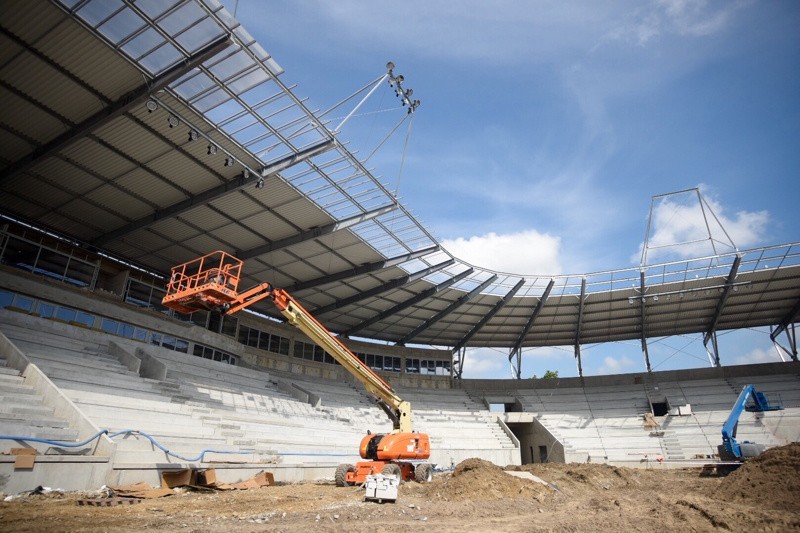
x=99, y=378
x=17, y=389
x=11, y=379
x=26, y=409
x=137, y=401
x=44, y=341
x=32, y=420
x=5, y=371
x=22, y=429
x=83, y=360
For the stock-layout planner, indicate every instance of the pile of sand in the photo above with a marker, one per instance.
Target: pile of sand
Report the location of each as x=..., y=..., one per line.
x=475, y=479
x=771, y=480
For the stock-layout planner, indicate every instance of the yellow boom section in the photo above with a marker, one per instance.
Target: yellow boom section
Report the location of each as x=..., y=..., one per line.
x=299, y=317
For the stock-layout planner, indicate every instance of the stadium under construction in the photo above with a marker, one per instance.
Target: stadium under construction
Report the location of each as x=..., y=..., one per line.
x=137, y=136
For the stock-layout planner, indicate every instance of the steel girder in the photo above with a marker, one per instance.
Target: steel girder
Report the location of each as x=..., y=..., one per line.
x=424, y=295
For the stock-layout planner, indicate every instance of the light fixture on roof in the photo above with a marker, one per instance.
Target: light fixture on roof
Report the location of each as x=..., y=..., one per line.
x=655, y=298
x=151, y=106
x=212, y=149
x=192, y=135
x=229, y=161
x=246, y=174
x=173, y=121
x=630, y=300
x=260, y=183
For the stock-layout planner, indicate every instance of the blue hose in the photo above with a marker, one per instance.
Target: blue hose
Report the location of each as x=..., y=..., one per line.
x=199, y=458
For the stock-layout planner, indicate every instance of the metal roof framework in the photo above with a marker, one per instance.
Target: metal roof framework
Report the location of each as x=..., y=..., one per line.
x=160, y=131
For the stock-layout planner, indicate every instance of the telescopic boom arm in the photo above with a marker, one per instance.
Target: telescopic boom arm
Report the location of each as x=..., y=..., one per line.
x=210, y=283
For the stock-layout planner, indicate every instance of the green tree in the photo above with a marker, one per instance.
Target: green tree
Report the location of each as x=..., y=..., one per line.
x=548, y=374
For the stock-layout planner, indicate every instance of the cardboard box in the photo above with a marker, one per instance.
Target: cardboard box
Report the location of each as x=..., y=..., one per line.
x=207, y=477
x=177, y=478
x=25, y=458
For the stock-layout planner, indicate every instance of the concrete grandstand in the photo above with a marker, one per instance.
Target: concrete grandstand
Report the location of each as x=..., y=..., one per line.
x=107, y=182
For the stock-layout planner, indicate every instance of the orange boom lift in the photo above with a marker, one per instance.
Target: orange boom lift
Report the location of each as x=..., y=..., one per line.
x=211, y=283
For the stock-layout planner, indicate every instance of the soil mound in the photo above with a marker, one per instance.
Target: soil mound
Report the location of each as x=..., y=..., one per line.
x=476, y=479
x=579, y=477
x=771, y=480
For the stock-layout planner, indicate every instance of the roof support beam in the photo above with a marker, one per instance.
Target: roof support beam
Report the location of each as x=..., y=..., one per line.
x=488, y=316
x=313, y=233
x=360, y=270
x=787, y=325
x=578, y=329
x=109, y=113
x=726, y=291
x=788, y=319
x=459, y=350
x=643, y=309
x=516, y=350
x=446, y=311
x=209, y=195
x=791, y=336
x=393, y=284
x=424, y=295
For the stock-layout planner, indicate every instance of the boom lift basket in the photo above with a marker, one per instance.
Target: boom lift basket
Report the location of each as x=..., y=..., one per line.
x=206, y=283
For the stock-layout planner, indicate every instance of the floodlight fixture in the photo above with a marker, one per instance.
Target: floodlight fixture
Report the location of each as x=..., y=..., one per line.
x=151, y=105
x=173, y=121
x=260, y=183
x=192, y=135
x=229, y=161
x=212, y=149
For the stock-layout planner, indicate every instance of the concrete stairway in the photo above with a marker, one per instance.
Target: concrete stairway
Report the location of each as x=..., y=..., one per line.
x=23, y=414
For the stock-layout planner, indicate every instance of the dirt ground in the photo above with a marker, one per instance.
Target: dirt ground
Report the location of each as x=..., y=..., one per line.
x=762, y=495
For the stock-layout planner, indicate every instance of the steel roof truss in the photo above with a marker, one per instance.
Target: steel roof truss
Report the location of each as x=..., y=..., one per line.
x=414, y=300
x=487, y=317
x=312, y=233
x=114, y=110
x=360, y=270
x=446, y=311
x=211, y=194
x=393, y=284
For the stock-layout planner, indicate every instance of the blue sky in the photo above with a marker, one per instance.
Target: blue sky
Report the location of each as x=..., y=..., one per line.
x=546, y=127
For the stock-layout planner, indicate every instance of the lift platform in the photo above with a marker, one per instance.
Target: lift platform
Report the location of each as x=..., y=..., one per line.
x=210, y=283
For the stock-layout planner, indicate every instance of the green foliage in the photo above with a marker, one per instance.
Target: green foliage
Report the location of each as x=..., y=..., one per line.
x=549, y=374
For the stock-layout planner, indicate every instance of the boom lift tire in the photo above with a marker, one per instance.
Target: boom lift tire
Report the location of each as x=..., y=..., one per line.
x=341, y=475
x=393, y=470
x=423, y=473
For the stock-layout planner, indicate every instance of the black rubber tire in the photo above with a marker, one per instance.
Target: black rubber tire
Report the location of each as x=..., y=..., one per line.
x=393, y=470
x=341, y=475
x=423, y=473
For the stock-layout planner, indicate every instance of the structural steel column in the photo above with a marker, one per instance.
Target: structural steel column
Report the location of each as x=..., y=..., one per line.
x=516, y=350
x=580, y=325
x=643, y=303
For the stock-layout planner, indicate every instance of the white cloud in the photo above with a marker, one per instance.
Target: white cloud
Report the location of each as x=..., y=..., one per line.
x=757, y=355
x=616, y=365
x=664, y=18
x=485, y=363
x=525, y=252
x=682, y=228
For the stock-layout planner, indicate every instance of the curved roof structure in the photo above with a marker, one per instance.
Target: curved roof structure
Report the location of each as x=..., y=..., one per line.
x=161, y=131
